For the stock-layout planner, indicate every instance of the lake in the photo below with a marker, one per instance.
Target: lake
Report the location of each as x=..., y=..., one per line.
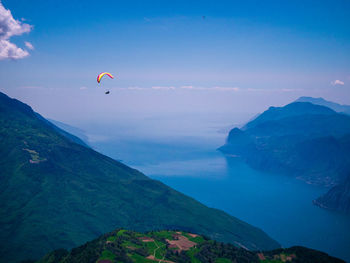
x=181, y=152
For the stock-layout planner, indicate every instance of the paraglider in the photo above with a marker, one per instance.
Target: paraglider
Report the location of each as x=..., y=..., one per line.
x=99, y=77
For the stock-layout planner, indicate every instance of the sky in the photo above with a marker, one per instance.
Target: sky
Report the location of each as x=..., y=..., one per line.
x=223, y=57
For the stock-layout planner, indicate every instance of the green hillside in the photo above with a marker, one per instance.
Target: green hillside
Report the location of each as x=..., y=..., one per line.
x=175, y=246
x=55, y=193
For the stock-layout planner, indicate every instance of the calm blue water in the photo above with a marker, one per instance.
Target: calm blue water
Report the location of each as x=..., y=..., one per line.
x=280, y=205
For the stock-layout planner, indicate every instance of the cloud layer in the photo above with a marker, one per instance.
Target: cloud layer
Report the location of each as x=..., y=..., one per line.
x=212, y=88
x=10, y=27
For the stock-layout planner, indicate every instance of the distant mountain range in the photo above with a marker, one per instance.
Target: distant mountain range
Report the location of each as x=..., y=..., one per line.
x=332, y=105
x=175, y=246
x=57, y=193
x=63, y=129
x=308, y=141
x=71, y=130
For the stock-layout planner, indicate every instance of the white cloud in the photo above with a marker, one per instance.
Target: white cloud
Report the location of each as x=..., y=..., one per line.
x=135, y=88
x=10, y=27
x=226, y=88
x=83, y=88
x=10, y=50
x=216, y=88
x=163, y=88
x=211, y=88
x=131, y=88
x=29, y=45
x=288, y=90
x=31, y=87
x=272, y=90
x=195, y=88
x=337, y=82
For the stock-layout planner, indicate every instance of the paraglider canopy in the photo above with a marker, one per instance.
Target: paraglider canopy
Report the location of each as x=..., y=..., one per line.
x=99, y=77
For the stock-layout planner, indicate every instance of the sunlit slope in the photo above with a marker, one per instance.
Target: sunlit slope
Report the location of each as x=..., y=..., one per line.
x=176, y=246
x=55, y=193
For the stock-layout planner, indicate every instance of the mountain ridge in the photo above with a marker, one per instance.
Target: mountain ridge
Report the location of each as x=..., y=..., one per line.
x=342, y=108
x=80, y=134
x=291, y=109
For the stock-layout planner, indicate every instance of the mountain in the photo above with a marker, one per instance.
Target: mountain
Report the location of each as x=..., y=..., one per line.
x=63, y=131
x=71, y=130
x=337, y=198
x=175, y=246
x=308, y=141
x=332, y=105
x=55, y=193
x=290, y=110
x=301, y=139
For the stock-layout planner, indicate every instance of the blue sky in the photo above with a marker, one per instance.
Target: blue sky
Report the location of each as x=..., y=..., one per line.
x=177, y=56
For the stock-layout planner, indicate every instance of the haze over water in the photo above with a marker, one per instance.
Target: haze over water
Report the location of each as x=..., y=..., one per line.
x=180, y=150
